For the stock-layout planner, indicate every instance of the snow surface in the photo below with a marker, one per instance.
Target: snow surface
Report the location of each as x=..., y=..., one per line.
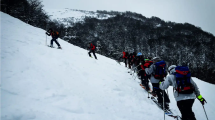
x=42, y=83
x=63, y=15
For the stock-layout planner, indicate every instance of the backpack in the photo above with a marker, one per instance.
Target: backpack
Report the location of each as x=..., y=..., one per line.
x=183, y=76
x=92, y=47
x=57, y=34
x=160, y=71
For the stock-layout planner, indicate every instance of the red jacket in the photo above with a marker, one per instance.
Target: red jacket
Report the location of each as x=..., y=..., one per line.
x=124, y=55
x=92, y=46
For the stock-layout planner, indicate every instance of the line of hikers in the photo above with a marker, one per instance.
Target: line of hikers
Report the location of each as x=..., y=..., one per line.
x=55, y=35
x=154, y=70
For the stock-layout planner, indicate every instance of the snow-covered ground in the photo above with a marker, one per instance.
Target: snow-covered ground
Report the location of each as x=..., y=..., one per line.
x=42, y=83
x=64, y=15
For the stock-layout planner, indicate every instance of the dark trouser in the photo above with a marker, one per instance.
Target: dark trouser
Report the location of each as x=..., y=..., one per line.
x=125, y=60
x=185, y=107
x=159, y=93
x=129, y=63
x=93, y=51
x=144, y=79
x=55, y=42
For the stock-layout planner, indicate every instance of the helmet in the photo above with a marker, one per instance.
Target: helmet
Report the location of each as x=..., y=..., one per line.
x=139, y=54
x=155, y=58
x=146, y=59
x=171, y=69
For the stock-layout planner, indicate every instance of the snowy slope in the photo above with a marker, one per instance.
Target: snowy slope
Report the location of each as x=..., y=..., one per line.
x=42, y=83
x=63, y=15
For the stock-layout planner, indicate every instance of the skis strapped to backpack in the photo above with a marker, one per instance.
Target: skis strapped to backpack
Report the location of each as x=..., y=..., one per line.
x=160, y=71
x=183, y=77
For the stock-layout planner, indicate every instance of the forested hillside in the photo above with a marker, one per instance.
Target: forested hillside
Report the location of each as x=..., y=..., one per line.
x=176, y=43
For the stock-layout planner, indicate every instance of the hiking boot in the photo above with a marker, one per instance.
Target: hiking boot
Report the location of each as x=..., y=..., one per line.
x=59, y=47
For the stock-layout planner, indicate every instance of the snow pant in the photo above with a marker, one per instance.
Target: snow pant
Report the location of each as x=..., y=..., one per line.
x=93, y=51
x=54, y=40
x=185, y=107
x=159, y=93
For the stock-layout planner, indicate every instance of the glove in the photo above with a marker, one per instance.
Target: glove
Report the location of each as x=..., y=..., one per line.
x=201, y=99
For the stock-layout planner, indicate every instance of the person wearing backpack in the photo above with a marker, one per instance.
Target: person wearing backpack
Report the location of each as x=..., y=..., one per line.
x=125, y=57
x=138, y=62
x=145, y=81
x=186, y=94
x=92, y=49
x=157, y=73
x=130, y=56
x=55, y=36
x=133, y=60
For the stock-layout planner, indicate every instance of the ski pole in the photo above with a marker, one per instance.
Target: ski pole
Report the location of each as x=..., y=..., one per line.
x=133, y=71
x=205, y=112
x=163, y=105
x=134, y=68
x=46, y=40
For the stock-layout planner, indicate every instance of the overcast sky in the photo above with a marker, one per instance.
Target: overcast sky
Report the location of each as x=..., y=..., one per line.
x=201, y=13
